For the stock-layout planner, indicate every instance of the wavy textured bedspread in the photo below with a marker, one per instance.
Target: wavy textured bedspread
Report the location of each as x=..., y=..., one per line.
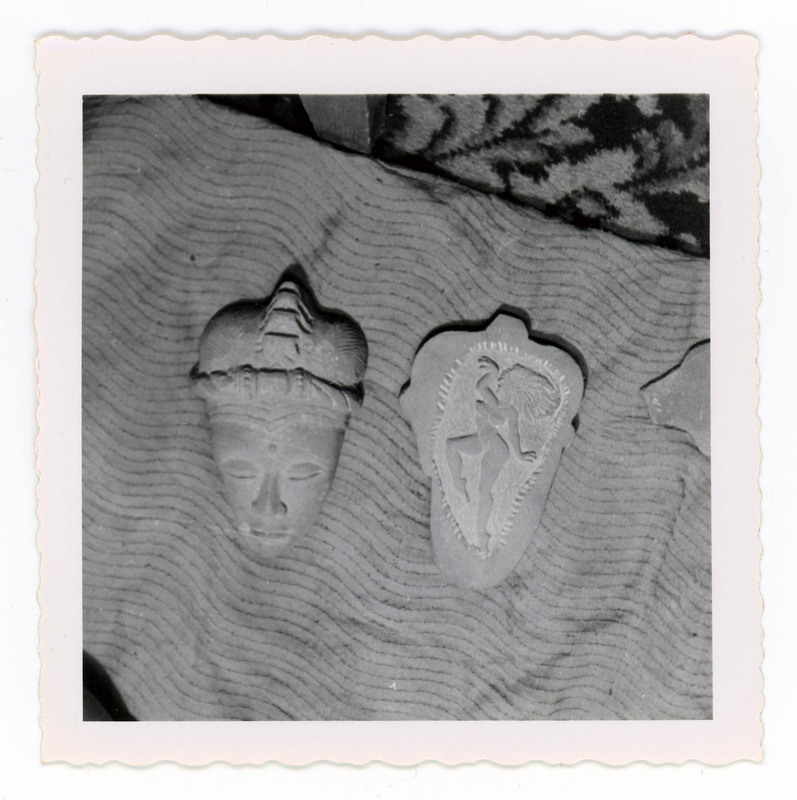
x=190, y=206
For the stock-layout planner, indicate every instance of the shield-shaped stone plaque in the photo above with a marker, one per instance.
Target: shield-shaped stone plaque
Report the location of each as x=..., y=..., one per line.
x=492, y=411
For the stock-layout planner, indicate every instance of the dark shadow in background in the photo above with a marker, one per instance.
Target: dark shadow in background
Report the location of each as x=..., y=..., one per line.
x=101, y=699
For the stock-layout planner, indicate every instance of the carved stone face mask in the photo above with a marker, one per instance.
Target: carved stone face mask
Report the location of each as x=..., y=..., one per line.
x=492, y=412
x=281, y=378
x=275, y=477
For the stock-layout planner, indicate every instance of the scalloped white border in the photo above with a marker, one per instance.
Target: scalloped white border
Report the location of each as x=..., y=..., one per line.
x=725, y=68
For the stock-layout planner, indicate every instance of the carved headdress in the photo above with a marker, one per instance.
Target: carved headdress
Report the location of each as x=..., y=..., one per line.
x=281, y=356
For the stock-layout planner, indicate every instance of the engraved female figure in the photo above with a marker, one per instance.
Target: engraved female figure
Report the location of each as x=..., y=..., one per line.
x=492, y=411
x=482, y=464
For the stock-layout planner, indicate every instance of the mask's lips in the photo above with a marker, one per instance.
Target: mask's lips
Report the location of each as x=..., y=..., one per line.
x=272, y=537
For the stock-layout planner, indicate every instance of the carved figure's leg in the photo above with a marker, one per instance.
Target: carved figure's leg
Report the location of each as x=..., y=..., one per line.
x=456, y=451
x=509, y=430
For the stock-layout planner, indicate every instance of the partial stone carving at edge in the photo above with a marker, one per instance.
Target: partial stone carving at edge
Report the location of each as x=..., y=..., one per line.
x=281, y=378
x=682, y=397
x=492, y=411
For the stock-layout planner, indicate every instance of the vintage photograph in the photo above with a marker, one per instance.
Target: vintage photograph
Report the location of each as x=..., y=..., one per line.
x=396, y=407
x=402, y=414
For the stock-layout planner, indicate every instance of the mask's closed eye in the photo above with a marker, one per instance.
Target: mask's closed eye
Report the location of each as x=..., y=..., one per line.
x=240, y=469
x=304, y=471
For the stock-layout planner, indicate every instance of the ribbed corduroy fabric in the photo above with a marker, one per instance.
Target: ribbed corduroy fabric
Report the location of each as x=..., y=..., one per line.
x=190, y=206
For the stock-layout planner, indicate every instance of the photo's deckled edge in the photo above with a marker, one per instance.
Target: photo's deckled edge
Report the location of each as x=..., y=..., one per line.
x=65, y=750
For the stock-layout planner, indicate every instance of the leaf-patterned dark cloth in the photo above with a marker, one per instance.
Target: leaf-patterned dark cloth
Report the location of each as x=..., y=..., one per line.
x=636, y=165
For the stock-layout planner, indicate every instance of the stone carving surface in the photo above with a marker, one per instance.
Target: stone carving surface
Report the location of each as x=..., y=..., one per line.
x=682, y=397
x=492, y=412
x=281, y=378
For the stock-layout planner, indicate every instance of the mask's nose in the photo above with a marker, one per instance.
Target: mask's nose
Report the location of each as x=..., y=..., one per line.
x=268, y=500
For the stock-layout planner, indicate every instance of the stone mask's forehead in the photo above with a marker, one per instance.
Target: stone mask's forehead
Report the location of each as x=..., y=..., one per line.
x=290, y=434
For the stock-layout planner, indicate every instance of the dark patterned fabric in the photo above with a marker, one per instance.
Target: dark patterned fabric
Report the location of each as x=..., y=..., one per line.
x=634, y=165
